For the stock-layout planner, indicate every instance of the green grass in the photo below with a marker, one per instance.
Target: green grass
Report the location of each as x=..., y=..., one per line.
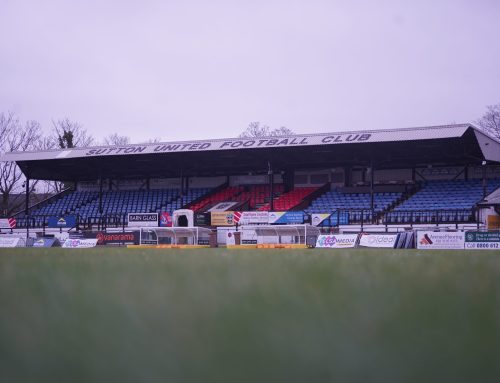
x=214, y=315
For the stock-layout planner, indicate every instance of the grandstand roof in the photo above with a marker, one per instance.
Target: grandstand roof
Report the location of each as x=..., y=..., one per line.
x=446, y=145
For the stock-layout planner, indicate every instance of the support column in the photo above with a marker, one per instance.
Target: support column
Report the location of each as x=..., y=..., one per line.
x=288, y=180
x=182, y=189
x=347, y=176
x=372, y=197
x=271, y=186
x=484, y=179
x=100, y=195
x=26, y=208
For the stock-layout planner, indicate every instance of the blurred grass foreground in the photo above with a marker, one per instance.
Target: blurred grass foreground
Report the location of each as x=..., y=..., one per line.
x=249, y=316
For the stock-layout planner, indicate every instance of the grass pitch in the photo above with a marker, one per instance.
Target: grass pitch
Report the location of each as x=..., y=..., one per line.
x=215, y=315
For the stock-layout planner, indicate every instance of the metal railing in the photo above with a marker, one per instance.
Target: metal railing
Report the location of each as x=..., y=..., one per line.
x=429, y=216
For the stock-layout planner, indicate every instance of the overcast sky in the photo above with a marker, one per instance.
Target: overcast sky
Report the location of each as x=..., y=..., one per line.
x=184, y=70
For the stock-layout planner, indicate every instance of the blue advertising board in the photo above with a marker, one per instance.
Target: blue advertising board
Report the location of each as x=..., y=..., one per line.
x=286, y=218
x=46, y=242
x=66, y=221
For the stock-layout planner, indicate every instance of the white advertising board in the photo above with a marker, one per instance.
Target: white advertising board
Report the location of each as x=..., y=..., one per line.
x=142, y=219
x=254, y=218
x=378, y=240
x=80, y=243
x=230, y=238
x=11, y=241
x=7, y=223
x=440, y=240
x=337, y=241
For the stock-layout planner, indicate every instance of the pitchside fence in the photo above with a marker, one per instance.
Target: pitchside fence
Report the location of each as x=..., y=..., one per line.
x=339, y=217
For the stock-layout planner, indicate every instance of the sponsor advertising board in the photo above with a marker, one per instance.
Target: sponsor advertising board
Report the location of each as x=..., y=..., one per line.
x=79, y=243
x=337, y=241
x=66, y=221
x=254, y=218
x=46, y=242
x=165, y=219
x=317, y=219
x=286, y=217
x=124, y=238
x=230, y=239
x=142, y=219
x=221, y=218
x=378, y=240
x=440, y=240
x=7, y=223
x=482, y=240
x=11, y=241
x=223, y=206
x=202, y=219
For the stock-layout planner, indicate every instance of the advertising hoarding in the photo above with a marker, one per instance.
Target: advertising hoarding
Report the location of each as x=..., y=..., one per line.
x=337, y=241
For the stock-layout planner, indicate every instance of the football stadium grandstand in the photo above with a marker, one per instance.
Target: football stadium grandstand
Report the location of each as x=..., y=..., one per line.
x=392, y=177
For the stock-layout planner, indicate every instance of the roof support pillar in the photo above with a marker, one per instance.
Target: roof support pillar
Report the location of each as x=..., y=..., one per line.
x=372, y=199
x=484, y=179
x=347, y=176
x=271, y=186
x=288, y=179
x=27, y=208
x=100, y=195
x=182, y=189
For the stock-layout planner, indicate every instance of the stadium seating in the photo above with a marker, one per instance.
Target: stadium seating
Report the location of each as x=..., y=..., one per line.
x=67, y=203
x=333, y=200
x=289, y=200
x=443, y=201
x=258, y=195
x=114, y=203
x=226, y=194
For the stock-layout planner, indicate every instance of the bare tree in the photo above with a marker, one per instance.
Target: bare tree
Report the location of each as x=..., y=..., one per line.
x=15, y=137
x=490, y=122
x=71, y=134
x=66, y=134
x=115, y=139
x=283, y=131
x=255, y=129
x=155, y=140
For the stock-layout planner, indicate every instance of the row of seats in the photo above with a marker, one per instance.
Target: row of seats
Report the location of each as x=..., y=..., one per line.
x=258, y=195
x=336, y=199
x=443, y=195
x=289, y=200
x=114, y=202
x=255, y=195
x=67, y=203
x=226, y=194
